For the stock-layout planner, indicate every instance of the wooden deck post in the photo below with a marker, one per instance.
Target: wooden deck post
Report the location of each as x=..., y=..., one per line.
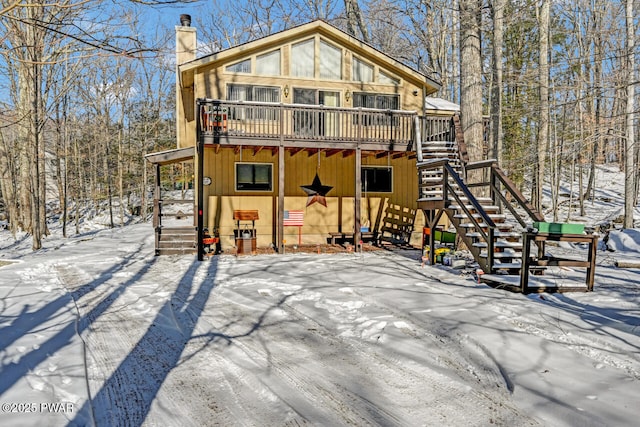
x=157, y=206
x=281, y=156
x=358, y=174
x=200, y=189
x=432, y=218
x=156, y=199
x=281, y=172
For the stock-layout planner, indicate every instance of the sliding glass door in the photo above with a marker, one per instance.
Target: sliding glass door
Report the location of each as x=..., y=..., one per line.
x=315, y=122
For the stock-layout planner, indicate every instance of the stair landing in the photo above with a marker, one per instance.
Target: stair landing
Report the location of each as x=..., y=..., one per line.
x=549, y=283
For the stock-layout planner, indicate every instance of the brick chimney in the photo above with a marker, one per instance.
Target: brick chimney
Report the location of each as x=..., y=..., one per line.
x=185, y=40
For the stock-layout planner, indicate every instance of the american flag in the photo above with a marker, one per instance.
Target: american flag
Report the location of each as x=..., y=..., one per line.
x=294, y=218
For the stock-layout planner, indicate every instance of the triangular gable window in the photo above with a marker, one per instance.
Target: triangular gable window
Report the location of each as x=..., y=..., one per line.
x=387, y=79
x=240, y=67
x=361, y=71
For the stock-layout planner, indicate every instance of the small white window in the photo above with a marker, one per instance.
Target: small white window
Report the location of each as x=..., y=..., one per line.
x=361, y=71
x=240, y=67
x=268, y=64
x=303, y=59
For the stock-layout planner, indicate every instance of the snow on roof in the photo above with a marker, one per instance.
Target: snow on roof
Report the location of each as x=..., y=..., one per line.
x=440, y=104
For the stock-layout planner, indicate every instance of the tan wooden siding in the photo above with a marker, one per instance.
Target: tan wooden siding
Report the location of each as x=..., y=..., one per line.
x=300, y=169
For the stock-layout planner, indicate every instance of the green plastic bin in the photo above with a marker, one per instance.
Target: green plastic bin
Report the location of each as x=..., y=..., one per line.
x=559, y=228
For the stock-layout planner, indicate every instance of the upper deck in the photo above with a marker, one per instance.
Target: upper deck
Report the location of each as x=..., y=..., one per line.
x=261, y=124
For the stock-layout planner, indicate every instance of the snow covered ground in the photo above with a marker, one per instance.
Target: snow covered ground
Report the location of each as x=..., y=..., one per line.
x=96, y=330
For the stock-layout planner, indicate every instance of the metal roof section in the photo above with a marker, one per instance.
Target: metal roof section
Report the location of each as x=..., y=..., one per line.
x=440, y=104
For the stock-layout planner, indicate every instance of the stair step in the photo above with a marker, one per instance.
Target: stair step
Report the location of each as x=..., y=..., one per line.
x=502, y=234
x=506, y=250
x=493, y=216
x=503, y=255
x=472, y=225
x=482, y=200
x=436, y=179
x=488, y=209
x=501, y=226
x=431, y=193
x=177, y=244
x=441, y=151
x=507, y=265
x=438, y=143
x=499, y=244
x=174, y=251
x=172, y=238
x=177, y=231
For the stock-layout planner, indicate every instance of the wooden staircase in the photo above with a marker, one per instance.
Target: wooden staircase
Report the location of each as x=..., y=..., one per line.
x=173, y=234
x=490, y=225
x=176, y=240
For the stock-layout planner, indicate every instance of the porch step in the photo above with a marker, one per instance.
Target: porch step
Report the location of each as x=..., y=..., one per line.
x=176, y=251
x=176, y=240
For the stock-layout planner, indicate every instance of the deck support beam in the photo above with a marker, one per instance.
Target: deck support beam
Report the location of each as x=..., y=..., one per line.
x=280, y=233
x=281, y=156
x=200, y=190
x=357, y=236
x=432, y=218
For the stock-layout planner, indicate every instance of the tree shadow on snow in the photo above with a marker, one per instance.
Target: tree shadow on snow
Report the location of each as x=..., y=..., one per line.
x=28, y=321
x=126, y=397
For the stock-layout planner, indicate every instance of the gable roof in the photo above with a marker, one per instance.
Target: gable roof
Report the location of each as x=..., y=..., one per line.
x=321, y=27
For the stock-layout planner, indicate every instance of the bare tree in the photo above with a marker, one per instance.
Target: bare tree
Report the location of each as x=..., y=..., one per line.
x=630, y=170
x=471, y=78
x=495, y=150
x=544, y=112
x=354, y=19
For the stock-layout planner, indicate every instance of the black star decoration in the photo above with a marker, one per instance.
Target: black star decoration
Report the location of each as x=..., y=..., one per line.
x=316, y=192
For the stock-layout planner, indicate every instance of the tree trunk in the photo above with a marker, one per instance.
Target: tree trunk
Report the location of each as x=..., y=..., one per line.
x=471, y=80
x=354, y=19
x=496, y=88
x=8, y=183
x=543, y=125
x=630, y=169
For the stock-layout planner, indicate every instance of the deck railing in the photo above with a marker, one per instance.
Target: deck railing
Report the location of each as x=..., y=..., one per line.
x=437, y=128
x=299, y=122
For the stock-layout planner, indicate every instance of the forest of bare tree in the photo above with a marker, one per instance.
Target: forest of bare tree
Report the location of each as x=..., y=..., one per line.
x=88, y=89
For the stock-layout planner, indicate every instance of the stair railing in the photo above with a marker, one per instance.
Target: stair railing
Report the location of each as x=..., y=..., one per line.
x=417, y=135
x=449, y=193
x=497, y=177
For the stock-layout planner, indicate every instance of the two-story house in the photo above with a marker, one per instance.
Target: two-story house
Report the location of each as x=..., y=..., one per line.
x=310, y=129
